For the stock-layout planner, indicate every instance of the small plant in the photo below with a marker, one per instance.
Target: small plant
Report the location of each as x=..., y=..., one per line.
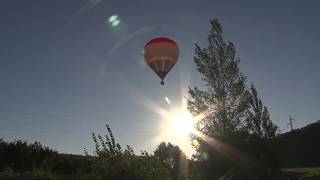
x=107, y=147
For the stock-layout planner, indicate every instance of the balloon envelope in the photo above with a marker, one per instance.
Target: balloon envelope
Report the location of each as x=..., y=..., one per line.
x=161, y=54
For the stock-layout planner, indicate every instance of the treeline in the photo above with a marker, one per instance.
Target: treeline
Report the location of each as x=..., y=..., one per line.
x=21, y=156
x=300, y=147
x=23, y=160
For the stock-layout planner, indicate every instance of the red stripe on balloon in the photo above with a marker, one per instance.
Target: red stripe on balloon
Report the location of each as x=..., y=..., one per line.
x=160, y=40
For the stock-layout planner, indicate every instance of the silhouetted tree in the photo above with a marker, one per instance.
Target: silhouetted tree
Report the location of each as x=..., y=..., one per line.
x=23, y=156
x=236, y=120
x=258, y=121
x=225, y=93
x=260, y=143
x=173, y=157
x=225, y=86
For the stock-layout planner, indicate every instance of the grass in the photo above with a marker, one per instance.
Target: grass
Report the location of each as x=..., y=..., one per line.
x=304, y=172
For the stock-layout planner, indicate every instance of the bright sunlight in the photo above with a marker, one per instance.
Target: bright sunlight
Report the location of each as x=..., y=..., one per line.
x=181, y=124
x=177, y=127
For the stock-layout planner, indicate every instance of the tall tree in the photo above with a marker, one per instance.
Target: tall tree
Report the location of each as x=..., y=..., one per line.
x=225, y=86
x=238, y=112
x=225, y=92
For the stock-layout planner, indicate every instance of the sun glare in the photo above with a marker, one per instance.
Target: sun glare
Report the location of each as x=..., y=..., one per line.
x=181, y=124
x=178, y=126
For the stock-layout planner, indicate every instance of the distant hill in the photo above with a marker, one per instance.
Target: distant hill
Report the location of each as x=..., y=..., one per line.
x=300, y=147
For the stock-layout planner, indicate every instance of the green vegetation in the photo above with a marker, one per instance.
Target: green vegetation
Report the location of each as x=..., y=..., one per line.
x=108, y=162
x=303, y=173
x=174, y=159
x=22, y=160
x=237, y=136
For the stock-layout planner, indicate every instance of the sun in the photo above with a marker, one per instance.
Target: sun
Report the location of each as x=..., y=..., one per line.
x=181, y=124
x=177, y=127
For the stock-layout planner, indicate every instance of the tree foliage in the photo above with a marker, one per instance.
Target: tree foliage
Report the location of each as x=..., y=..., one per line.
x=239, y=123
x=225, y=86
x=258, y=121
x=174, y=159
x=23, y=156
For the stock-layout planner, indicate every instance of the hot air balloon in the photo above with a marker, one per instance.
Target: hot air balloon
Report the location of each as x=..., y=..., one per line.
x=161, y=54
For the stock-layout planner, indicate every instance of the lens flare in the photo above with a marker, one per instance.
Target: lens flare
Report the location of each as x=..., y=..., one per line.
x=115, y=23
x=112, y=18
x=167, y=100
x=195, y=142
x=85, y=8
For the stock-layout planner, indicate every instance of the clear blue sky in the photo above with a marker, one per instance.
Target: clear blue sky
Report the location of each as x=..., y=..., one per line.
x=64, y=72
